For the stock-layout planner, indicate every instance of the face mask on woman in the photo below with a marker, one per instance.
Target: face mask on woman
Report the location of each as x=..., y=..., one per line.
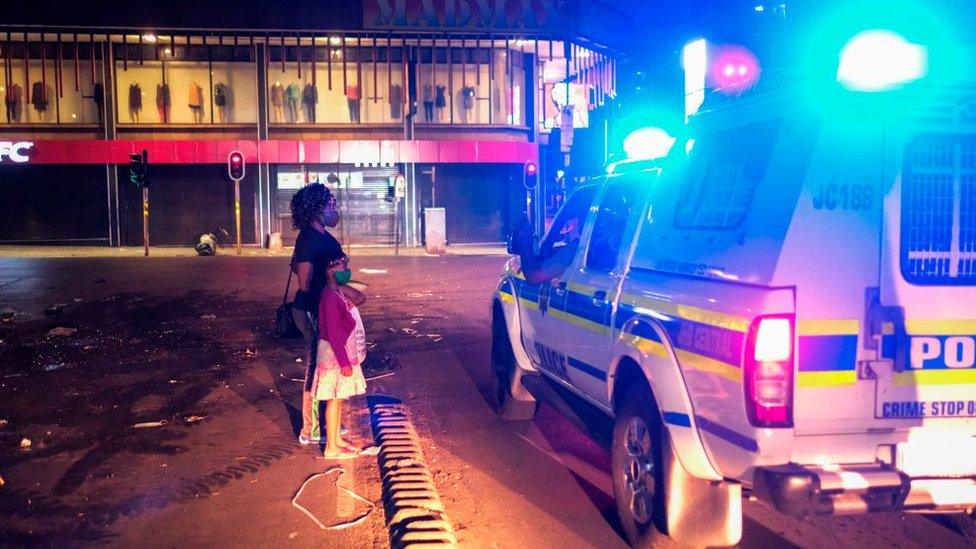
x=343, y=277
x=330, y=215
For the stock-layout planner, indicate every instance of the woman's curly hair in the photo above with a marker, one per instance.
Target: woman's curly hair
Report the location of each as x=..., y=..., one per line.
x=307, y=203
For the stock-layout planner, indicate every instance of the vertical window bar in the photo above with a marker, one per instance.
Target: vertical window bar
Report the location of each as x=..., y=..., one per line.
x=491, y=77
x=59, y=69
x=141, y=62
x=450, y=80
x=359, y=75
x=389, y=66
x=43, y=68
x=27, y=86
x=328, y=60
x=91, y=42
x=315, y=77
x=345, y=53
x=282, y=49
x=125, y=52
x=210, y=92
x=374, y=57
x=298, y=54
x=537, y=74
x=477, y=56
x=464, y=64
x=433, y=60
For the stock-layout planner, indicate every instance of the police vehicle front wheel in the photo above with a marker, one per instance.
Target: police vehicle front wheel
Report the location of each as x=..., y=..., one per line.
x=637, y=464
x=505, y=374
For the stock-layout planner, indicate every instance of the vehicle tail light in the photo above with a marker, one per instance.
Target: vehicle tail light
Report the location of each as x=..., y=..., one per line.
x=768, y=371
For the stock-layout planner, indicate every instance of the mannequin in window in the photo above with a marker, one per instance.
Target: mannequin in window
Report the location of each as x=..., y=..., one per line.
x=135, y=102
x=310, y=98
x=221, y=100
x=195, y=102
x=163, y=102
x=39, y=98
x=293, y=94
x=428, y=103
x=12, y=99
x=440, y=102
x=467, y=103
x=396, y=101
x=352, y=98
x=98, y=96
x=278, y=101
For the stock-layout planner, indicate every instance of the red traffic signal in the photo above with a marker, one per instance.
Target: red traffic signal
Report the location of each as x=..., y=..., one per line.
x=235, y=165
x=531, y=175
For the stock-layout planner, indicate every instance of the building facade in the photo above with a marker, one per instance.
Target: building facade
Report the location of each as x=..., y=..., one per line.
x=457, y=112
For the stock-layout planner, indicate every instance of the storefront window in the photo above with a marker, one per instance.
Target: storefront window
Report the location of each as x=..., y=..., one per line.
x=473, y=88
x=43, y=87
x=182, y=84
x=345, y=83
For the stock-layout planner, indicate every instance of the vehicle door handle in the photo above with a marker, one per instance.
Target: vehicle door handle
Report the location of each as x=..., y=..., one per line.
x=560, y=288
x=599, y=298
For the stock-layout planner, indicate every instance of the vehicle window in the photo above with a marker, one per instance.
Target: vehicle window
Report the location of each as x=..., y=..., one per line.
x=611, y=221
x=565, y=229
x=723, y=171
x=938, y=210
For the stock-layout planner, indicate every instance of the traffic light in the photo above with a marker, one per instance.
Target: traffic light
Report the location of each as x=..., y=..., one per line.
x=235, y=165
x=139, y=169
x=531, y=176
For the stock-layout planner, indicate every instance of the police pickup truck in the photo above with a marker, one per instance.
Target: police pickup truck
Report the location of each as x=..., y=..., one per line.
x=786, y=309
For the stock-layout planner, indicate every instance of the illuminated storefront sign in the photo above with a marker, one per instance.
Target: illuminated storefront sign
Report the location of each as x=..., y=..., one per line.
x=15, y=151
x=464, y=14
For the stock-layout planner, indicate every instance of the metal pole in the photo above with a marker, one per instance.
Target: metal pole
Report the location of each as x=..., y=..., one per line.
x=145, y=221
x=237, y=213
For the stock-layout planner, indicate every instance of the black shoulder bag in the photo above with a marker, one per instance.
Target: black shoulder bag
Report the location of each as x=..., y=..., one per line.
x=284, y=321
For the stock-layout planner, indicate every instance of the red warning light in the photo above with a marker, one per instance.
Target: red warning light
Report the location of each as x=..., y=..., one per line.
x=733, y=69
x=235, y=165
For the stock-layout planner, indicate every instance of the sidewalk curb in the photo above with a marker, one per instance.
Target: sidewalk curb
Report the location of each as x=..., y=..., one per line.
x=414, y=511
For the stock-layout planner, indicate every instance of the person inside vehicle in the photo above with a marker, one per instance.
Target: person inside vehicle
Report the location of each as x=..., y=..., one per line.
x=558, y=249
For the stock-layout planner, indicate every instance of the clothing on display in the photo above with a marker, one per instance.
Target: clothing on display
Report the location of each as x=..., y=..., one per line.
x=163, y=102
x=292, y=95
x=428, y=103
x=221, y=99
x=98, y=96
x=278, y=101
x=440, y=102
x=310, y=97
x=352, y=98
x=135, y=102
x=12, y=99
x=467, y=102
x=396, y=101
x=195, y=102
x=39, y=96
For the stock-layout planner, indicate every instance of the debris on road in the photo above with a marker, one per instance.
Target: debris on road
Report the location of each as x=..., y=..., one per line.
x=379, y=376
x=25, y=443
x=2, y=482
x=149, y=424
x=299, y=359
x=342, y=524
x=173, y=381
x=194, y=419
x=370, y=451
x=373, y=271
x=249, y=353
x=100, y=281
x=208, y=316
x=290, y=378
x=53, y=366
x=77, y=300
x=55, y=310
x=7, y=314
x=87, y=348
x=435, y=337
x=3, y=423
x=61, y=331
x=409, y=331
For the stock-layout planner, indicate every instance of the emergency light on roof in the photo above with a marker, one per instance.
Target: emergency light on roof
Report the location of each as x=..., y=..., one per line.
x=648, y=143
x=879, y=60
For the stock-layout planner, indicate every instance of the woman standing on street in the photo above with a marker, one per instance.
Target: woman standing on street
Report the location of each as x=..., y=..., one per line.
x=313, y=209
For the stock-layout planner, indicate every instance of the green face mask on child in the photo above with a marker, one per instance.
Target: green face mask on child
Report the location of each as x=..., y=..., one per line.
x=343, y=277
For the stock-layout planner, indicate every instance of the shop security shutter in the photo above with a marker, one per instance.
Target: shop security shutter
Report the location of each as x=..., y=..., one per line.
x=54, y=205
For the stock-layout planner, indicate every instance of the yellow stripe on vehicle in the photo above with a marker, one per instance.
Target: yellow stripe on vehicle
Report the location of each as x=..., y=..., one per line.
x=828, y=327
x=578, y=321
x=506, y=297
x=826, y=379
x=648, y=346
x=531, y=305
x=941, y=327
x=935, y=377
x=581, y=288
x=694, y=361
x=688, y=312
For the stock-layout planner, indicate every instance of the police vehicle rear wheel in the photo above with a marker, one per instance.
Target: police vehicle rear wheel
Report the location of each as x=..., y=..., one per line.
x=637, y=468
x=504, y=373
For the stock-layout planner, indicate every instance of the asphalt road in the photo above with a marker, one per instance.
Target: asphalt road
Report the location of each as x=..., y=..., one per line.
x=186, y=342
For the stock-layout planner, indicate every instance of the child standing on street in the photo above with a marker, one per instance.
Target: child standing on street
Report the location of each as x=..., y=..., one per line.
x=341, y=351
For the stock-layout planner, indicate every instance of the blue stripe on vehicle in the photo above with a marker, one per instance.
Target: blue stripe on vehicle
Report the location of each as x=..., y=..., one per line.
x=642, y=329
x=827, y=353
x=587, y=369
x=677, y=418
x=728, y=435
x=581, y=305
